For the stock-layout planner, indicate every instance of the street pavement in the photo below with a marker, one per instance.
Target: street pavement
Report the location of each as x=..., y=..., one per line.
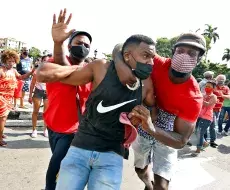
x=24, y=163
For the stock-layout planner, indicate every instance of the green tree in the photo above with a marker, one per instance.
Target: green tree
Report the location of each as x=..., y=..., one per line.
x=108, y=56
x=211, y=36
x=165, y=46
x=198, y=72
x=226, y=55
x=34, y=52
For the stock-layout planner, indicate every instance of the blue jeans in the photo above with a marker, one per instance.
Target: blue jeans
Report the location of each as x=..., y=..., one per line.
x=221, y=119
x=202, y=129
x=212, y=127
x=101, y=170
x=59, y=144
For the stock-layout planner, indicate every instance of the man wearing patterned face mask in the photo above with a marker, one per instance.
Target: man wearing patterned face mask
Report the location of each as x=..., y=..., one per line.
x=179, y=102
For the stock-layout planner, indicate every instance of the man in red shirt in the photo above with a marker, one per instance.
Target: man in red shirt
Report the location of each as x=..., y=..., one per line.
x=66, y=102
x=179, y=102
x=222, y=92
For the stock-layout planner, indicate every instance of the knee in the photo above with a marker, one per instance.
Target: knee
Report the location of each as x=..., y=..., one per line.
x=35, y=112
x=141, y=172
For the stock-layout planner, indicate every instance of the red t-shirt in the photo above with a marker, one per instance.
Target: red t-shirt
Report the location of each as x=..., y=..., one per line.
x=183, y=100
x=61, y=115
x=220, y=89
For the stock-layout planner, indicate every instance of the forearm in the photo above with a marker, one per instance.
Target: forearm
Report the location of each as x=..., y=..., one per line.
x=32, y=85
x=169, y=138
x=226, y=97
x=25, y=76
x=59, y=55
x=49, y=72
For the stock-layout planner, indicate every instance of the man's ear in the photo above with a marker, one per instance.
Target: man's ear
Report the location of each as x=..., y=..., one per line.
x=126, y=56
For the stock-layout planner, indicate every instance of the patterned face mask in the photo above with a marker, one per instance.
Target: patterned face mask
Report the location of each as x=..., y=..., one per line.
x=183, y=63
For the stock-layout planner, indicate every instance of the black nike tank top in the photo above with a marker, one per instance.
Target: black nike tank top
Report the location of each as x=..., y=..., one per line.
x=100, y=129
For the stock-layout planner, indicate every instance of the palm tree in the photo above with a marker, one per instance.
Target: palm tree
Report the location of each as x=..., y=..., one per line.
x=212, y=35
x=226, y=55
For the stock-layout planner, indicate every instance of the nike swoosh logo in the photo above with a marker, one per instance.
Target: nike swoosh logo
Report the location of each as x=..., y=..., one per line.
x=102, y=109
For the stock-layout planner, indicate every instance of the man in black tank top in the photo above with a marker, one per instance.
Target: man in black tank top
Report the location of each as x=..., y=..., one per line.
x=96, y=154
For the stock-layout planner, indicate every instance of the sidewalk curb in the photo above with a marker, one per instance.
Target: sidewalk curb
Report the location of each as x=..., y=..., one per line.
x=23, y=123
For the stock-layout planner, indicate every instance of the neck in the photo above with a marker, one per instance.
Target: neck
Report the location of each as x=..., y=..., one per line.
x=178, y=80
x=75, y=61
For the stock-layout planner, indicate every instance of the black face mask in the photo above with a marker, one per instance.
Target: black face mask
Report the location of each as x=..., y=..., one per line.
x=178, y=74
x=25, y=53
x=143, y=70
x=79, y=52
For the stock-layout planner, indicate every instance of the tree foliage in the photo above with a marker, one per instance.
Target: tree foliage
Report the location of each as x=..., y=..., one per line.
x=165, y=46
x=34, y=52
x=108, y=56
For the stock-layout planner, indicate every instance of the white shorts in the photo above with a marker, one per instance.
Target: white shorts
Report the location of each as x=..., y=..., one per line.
x=164, y=158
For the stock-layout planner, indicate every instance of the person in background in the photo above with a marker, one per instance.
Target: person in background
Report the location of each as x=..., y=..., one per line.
x=8, y=83
x=225, y=108
x=208, y=75
x=24, y=67
x=222, y=92
x=206, y=115
x=37, y=94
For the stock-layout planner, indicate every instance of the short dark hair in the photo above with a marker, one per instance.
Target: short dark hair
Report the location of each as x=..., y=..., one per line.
x=43, y=57
x=137, y=39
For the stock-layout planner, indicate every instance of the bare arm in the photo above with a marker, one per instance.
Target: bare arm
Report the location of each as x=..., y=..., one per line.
x=82, y=75
x=49, y=72
x=124, y=72
x=211, y=102
x=32, y=85
x=177, y=139
x=59, y=56
x=22, y=77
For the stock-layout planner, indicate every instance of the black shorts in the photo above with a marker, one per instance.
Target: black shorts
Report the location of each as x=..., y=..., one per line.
x=40, y=94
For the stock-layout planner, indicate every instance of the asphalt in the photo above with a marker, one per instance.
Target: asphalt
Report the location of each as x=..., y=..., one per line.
x=24, y=162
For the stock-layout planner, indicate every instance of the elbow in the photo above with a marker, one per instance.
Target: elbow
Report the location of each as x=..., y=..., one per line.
x=40, y=77
x=181, y=144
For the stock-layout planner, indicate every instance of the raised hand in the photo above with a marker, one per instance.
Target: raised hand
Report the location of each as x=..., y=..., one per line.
x=60, y=30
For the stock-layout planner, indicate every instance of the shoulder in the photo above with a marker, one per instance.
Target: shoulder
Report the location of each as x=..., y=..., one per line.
x=161, y=60
x=102, y=63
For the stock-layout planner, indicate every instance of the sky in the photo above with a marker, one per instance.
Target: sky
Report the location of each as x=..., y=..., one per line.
x=113, y=21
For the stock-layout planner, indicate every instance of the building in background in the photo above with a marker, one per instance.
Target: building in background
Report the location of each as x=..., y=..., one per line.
x=11, y=43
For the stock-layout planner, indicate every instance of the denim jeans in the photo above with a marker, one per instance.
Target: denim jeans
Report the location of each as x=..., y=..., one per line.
x=221, y=119
x=101, y=170
x=202, y=129
x=59, y=144
x=212, y=127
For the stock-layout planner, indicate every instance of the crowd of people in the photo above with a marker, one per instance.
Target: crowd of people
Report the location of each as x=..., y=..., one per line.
x=96, y=110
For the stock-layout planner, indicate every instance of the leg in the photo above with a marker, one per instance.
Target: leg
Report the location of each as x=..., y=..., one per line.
x=60, y=145
x=106, y=171
x=142, y=158
x=2, y=126
x=221, y=119
x=164, y=165
x=75, y=169
x=36, y=107
x=227, y=126
x=160, y=183
x=45, y=103
x=22, y=99
x=212, y=131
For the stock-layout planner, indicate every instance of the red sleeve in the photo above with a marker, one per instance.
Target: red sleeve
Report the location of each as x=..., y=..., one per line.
x=190, y=110
x=161, y=60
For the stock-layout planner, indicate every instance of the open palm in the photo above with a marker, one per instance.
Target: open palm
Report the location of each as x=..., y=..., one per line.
x=60, y=30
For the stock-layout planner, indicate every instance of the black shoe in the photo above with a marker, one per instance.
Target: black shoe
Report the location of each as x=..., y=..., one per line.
x=189, y=143
x=213, y=144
